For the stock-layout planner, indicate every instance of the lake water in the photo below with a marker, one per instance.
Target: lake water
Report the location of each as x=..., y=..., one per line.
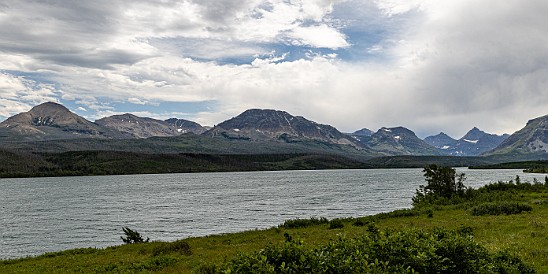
x=41, y=215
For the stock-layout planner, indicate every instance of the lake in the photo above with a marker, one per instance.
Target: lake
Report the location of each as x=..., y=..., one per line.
x=41, y=215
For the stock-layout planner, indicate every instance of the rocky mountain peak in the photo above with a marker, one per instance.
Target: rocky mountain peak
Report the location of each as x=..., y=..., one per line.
x=137, y=127
x=50, y=121
x=441, y=141
x=262, y=119
x=398, y=141
x=46, y=114
x=275, y=124
x=362, y=132
x=474, y=134
x=184, y=126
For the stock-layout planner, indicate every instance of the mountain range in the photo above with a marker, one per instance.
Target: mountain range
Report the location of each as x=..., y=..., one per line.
x=474, y=143
x=265, y=130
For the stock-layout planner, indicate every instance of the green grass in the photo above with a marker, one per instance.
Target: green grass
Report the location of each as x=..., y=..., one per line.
x=524, y=234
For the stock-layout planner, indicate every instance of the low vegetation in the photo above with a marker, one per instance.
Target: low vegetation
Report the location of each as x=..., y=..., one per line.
x=407, y=251
x=500, y=208
x=540, y=166
x=442, y=233
x=82, y=163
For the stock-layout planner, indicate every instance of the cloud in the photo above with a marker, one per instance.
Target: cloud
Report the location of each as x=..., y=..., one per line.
x=424, y=64
x=486, y=67
x=18, y=94
x=320, y=36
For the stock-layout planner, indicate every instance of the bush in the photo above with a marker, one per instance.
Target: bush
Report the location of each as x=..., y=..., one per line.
x=297, y=223
x=500, y=208
x=336, y=223
x=409, y=251
x=132, y=236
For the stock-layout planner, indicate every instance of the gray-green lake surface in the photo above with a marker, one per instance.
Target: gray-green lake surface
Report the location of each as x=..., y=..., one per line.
x=41, y=215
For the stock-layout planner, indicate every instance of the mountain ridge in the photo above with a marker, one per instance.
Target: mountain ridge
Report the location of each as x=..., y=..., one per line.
x=473, y=143
x=258, y=124
x=398, y=141
x=530, y=142
x=144, y=127
x=53, y=121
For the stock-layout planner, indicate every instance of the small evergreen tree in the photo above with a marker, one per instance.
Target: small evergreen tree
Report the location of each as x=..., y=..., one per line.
x=132, y=236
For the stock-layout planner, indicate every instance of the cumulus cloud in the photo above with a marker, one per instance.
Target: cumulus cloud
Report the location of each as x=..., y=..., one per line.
x=18, y=94
x=320, y=36
x=428, y=65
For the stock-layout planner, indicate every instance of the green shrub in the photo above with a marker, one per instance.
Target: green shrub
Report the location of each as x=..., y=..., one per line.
x=409, y=251
x=399, y=213
x=507, y=263
x=500, y=208
x=132, y=236
x=336, y=223
x=298, y=223
x=360, y=222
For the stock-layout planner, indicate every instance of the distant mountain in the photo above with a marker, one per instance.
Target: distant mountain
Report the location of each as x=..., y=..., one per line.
x=398, y=141
x=185, y=126
x=257, y=124
x=474, y=143
x=255, y=131
x=138, y=127
x=143, y=127
x=50, y=121
x=363, y=132
x=530, y=142
x=441, y=141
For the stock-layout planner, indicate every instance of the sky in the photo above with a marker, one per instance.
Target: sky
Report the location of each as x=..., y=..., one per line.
x=428, y=65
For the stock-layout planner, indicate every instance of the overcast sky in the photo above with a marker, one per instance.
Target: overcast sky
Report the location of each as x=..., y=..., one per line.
x=431, y=65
